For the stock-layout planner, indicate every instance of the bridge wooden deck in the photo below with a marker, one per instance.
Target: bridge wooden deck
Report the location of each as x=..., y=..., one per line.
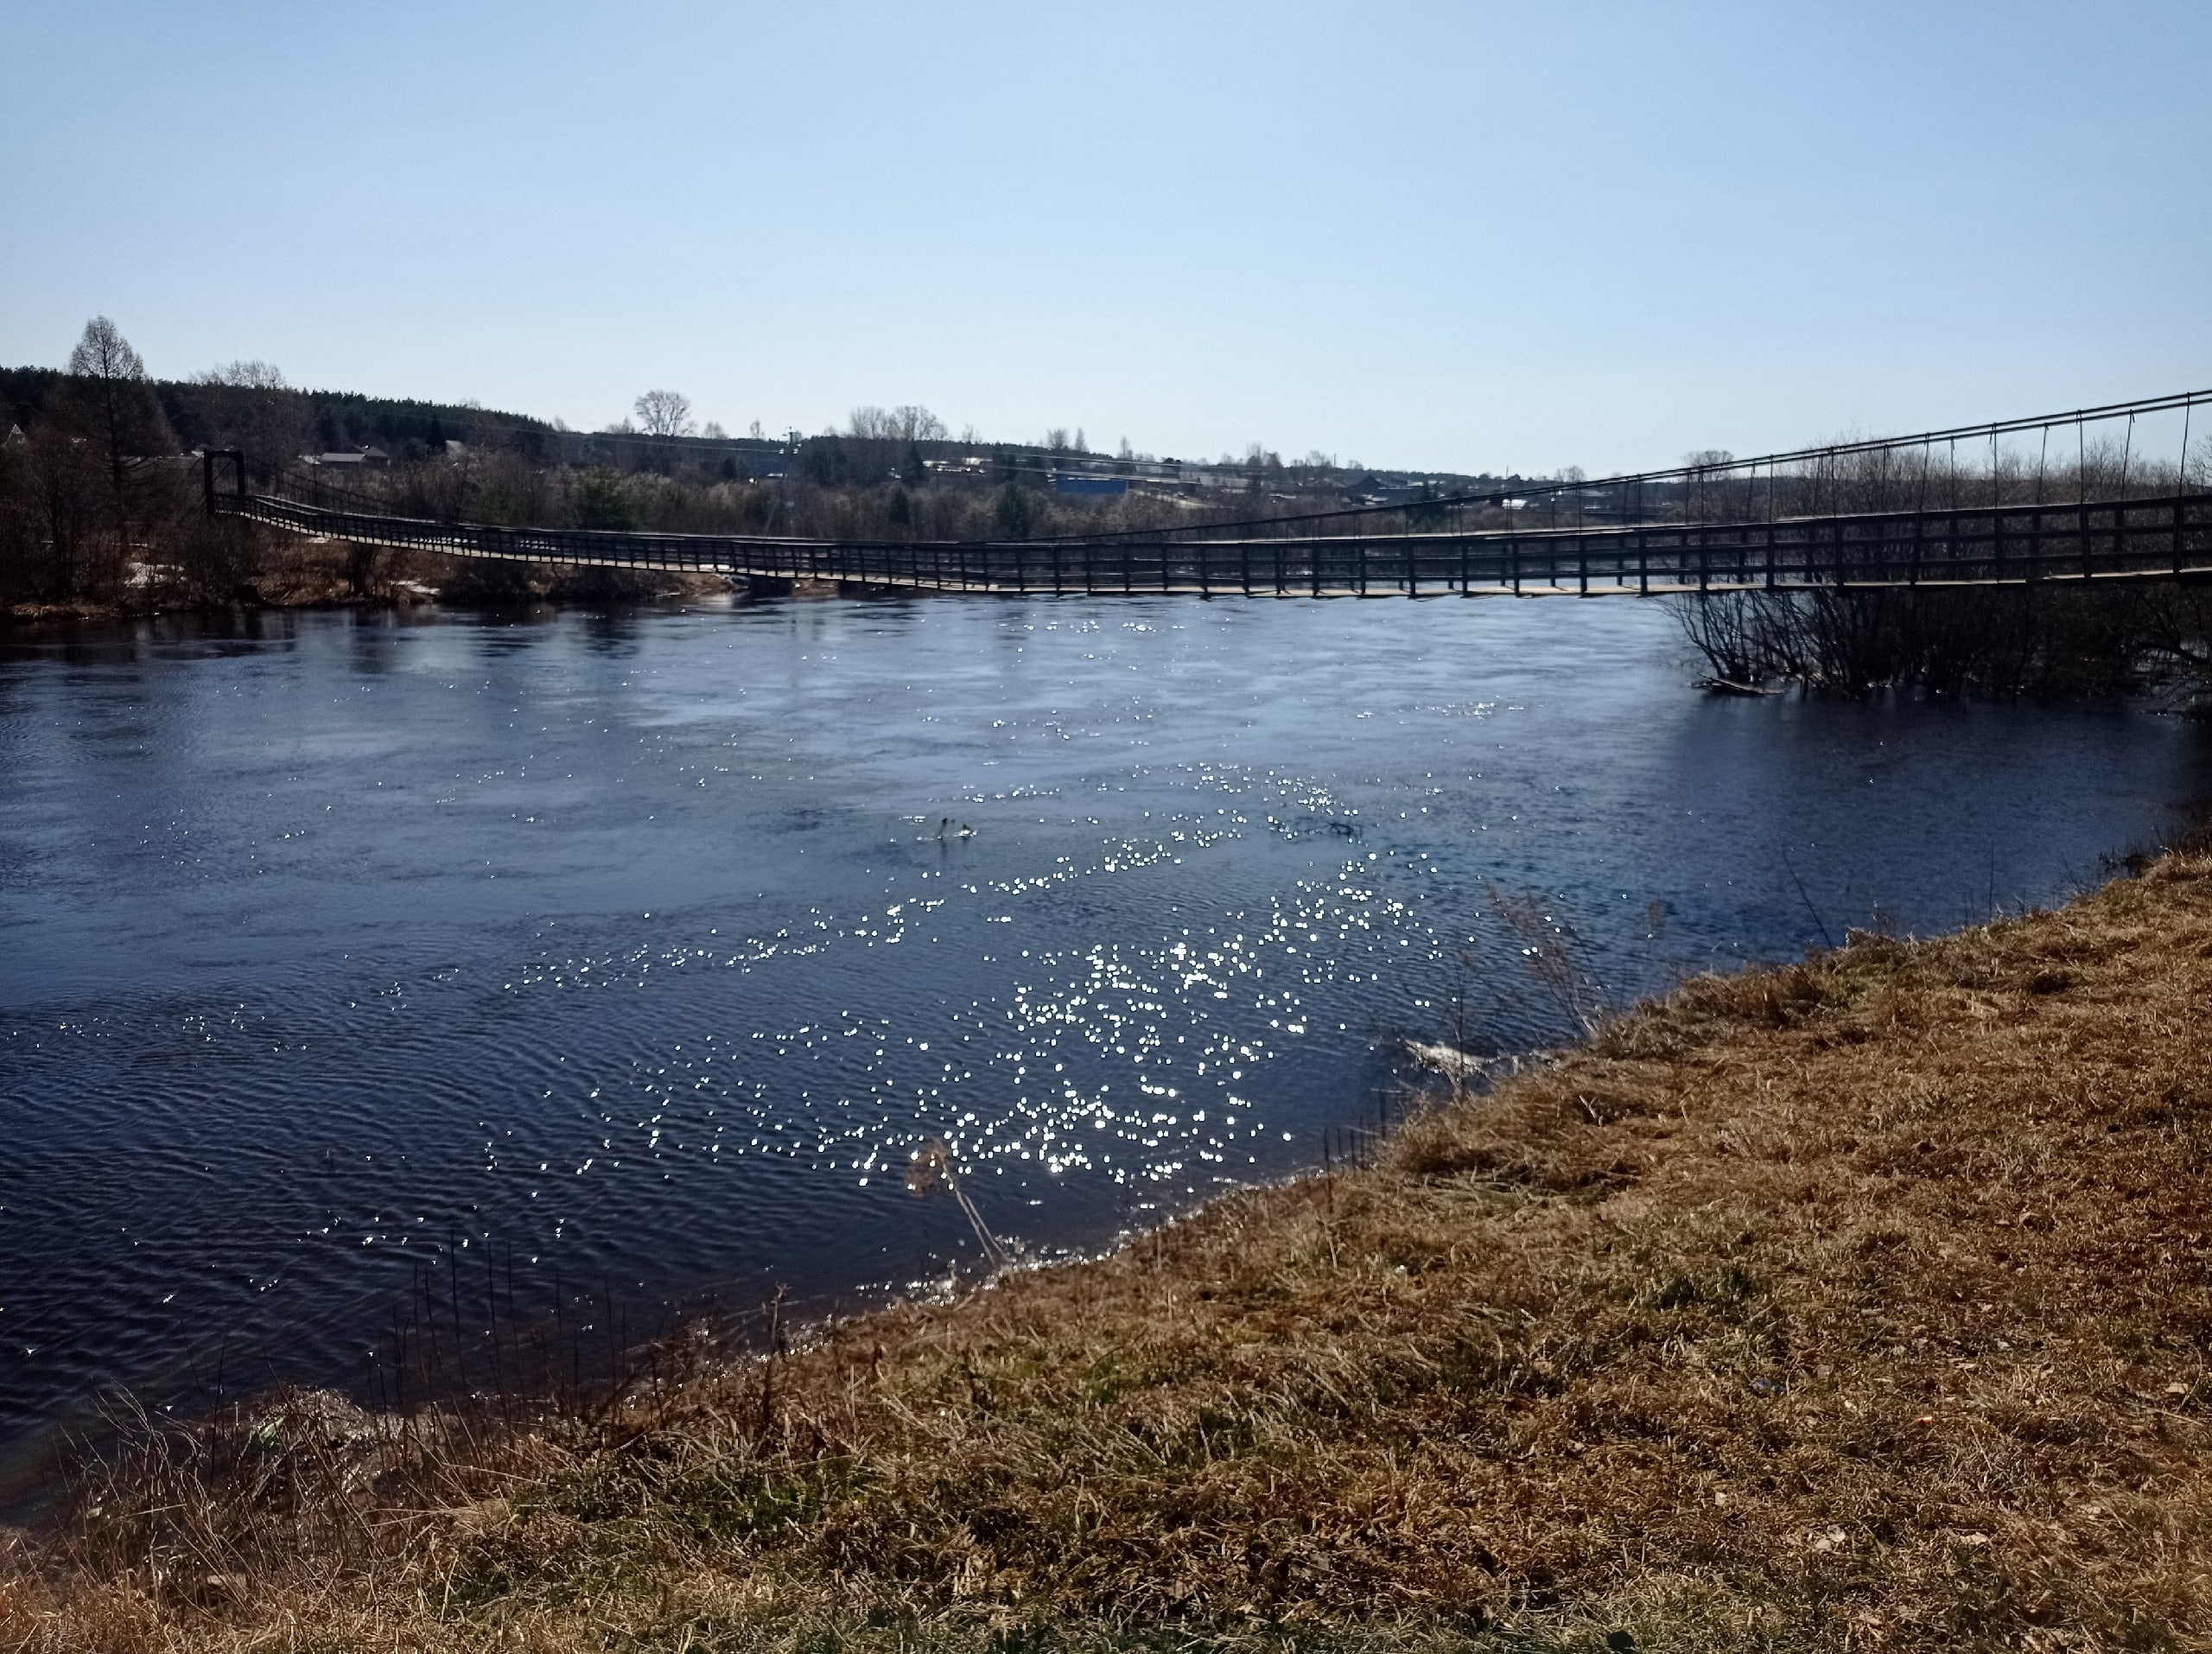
x=2164, y=537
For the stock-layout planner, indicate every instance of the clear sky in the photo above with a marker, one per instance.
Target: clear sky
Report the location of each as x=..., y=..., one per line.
x=1480, y=237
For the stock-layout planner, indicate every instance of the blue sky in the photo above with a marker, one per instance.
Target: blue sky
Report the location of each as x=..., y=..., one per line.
x=1475, y=237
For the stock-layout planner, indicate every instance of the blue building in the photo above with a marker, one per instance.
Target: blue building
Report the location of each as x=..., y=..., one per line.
x=1105, y=487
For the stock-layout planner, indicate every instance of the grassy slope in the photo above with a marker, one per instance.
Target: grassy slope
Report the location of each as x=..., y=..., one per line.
x=1861, y=1303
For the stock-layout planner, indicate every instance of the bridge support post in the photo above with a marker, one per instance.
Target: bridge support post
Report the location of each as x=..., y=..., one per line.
x=207, y=458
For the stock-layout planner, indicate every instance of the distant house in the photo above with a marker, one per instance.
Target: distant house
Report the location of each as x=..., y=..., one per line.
x=16, y=438
x=1109, y=487
x=349, y=458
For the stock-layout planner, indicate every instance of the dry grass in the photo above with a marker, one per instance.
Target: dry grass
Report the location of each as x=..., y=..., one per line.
x=1857, y=1304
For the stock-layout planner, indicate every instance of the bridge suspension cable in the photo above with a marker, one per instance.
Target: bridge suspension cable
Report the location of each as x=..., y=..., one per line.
x=1659, y=495
x=1845, y=514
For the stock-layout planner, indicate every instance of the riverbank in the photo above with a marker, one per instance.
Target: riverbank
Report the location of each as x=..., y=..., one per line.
x=328, y=575
x=1861, y=1302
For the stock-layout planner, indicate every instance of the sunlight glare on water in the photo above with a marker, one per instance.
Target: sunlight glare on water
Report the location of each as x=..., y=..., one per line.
x=644, y=951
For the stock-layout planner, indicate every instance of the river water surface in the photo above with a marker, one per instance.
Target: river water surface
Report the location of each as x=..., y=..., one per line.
x=639, y=952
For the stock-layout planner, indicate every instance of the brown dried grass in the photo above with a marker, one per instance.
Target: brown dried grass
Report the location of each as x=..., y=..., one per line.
x=1861, y=1303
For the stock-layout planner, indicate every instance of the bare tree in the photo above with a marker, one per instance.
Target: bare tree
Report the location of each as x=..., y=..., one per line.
x=114, y=400
x=914, y=424
x=113, y=394
x=250, y=407
x=882, y=444
x=65, y=489
x=248, y=376
x=908, y=423
x=21, y=539
x=664, y=413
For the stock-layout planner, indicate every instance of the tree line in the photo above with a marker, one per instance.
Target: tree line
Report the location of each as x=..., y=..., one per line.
x=100, y=491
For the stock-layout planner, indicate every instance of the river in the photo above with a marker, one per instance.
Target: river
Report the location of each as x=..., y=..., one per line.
x=638, y=952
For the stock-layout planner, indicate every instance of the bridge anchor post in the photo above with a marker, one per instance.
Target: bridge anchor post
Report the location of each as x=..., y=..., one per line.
x=207, y=458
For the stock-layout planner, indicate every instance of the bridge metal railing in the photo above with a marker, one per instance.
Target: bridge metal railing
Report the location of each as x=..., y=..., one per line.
x=2160, y=537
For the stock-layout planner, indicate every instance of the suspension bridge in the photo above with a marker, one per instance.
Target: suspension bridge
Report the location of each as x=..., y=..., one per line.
x=2097, y=494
